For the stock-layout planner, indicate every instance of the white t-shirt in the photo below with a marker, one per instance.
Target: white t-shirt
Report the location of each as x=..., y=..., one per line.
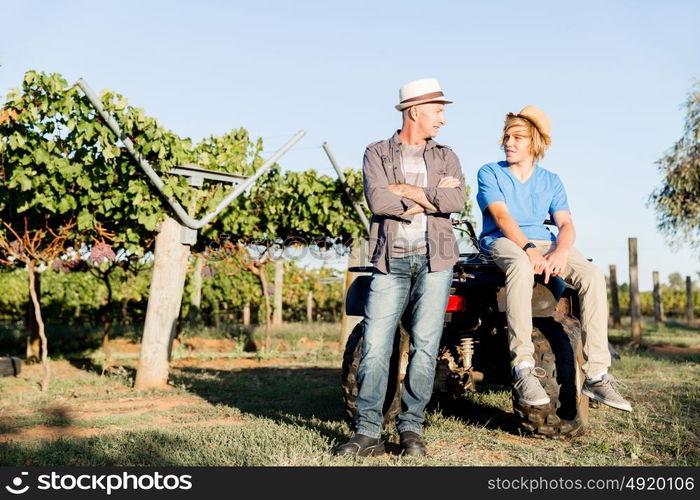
x=412, y=237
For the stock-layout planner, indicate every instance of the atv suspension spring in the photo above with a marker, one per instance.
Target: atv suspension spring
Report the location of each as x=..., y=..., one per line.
x=466, y=351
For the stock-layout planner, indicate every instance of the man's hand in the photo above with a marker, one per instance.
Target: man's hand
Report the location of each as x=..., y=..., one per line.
x=539, y=263
x=449, y=182
x=397, y=189
x=415, y=209
x=413, y=193
x=557, y=261
x=417, y=195
x=405, y=189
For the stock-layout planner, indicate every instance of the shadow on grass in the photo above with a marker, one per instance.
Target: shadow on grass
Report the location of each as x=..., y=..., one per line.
x=309, y=397
x=663, y=351
x=677, y=324
x=55, y=416
x=114, y=369
x=312, y=398
x=477, y=413
x=153, y=448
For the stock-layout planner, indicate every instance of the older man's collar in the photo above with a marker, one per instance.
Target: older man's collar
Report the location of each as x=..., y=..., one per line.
x=396, y=141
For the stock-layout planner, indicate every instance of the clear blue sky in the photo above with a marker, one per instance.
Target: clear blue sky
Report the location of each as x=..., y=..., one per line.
x=611, y=75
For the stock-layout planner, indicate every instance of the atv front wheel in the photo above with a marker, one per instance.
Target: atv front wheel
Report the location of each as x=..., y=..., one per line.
x=397, y=370
x=558, y=351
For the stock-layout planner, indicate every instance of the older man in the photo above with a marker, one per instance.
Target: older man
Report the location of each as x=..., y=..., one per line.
x=412, y=184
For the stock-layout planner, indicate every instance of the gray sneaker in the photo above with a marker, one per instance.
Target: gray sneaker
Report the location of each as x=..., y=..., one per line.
x=529, y=388
x=606, y=392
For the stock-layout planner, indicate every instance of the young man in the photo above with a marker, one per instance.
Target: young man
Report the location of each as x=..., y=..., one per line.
x=515, y=197
x=412, y=184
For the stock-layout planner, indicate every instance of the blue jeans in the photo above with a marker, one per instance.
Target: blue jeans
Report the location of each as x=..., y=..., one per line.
x=411, y=285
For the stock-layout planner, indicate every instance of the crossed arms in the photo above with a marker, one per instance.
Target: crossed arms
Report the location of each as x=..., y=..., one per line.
x=403, y=201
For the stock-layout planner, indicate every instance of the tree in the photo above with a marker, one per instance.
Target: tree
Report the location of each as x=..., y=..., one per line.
x=111, y=269
x=62, y=173
x=33, y=248
x=677, y=200
x=676, y=281
x=40, y=177
x=281, y=210
x=234, y=152
x=64, y=184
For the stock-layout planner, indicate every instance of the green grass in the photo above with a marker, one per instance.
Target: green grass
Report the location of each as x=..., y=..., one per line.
x=290, y=413
x=290, y=332
x=78, y=341
x=671, y=333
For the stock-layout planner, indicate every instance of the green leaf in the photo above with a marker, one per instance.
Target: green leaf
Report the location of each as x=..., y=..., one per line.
x=121, y=104
x=65, y=204
x=84, y=182
x=29, y=77
x=110, y=152
x=41, y=156
x=148, y=220
x=68, y=170
x=85, y=220
x=25, y=182
x=168, y=191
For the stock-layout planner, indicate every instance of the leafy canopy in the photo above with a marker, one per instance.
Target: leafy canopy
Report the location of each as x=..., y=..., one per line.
x=61, y=167
x=677, y=200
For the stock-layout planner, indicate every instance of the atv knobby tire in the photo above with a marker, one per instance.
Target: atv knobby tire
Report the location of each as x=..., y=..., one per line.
x=351, y=363
x=559, y=353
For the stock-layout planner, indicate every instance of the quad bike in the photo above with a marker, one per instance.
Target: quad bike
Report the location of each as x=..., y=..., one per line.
x=474, y=346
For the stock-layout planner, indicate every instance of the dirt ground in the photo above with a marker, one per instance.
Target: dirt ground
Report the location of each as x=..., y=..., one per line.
x=227, y=405
x=73, y=416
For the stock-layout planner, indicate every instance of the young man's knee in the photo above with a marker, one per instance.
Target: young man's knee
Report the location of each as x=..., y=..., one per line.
x=593, y=276
x=521, y=270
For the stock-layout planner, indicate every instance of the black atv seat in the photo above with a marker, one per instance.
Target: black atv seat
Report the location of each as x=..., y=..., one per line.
x=485, y=270
x=480, y=267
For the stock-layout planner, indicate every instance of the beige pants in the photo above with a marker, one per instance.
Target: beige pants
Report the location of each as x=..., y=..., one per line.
x=579, y=272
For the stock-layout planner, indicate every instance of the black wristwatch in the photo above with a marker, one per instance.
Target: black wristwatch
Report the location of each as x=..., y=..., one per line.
x=528, y=245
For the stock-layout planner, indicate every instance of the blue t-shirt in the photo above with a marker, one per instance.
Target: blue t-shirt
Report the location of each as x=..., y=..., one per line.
x=528, y=202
